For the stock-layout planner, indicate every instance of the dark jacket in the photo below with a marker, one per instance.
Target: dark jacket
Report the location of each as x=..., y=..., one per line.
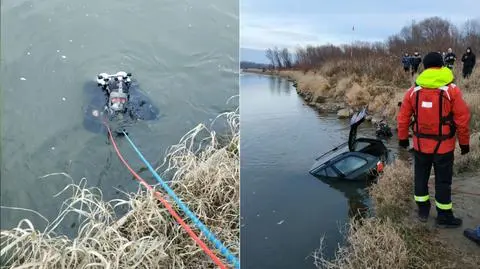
x=416, y=60
x=450, y=58
x=468, y=60
x=406, y=61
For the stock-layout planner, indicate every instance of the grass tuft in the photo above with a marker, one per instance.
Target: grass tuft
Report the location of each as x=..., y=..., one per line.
x=205, y=177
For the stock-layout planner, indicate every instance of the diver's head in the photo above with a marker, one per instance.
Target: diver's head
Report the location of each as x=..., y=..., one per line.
x=117, y=106
x=117, y=100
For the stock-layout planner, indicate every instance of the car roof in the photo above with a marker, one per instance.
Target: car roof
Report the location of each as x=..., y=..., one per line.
x=320, y=164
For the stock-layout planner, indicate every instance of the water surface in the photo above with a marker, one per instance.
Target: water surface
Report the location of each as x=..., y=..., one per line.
x=285, y=211
x=184, y=54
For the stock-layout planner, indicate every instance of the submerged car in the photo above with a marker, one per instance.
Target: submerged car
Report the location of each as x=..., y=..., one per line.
x=358, y=159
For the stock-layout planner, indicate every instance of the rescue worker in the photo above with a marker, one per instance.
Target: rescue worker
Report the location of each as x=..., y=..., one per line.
x=450, y=58
x=469, y=60
x=440, y=115
x=416, y=60
x=406, y=62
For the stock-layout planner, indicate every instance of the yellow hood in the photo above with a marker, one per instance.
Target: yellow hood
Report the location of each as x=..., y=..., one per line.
x=435, y=77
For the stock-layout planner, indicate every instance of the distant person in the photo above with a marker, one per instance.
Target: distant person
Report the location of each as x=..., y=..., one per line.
x=450, y=58
x=440, y=117
x=406, y=62
x=416, y=60
x=468, y=60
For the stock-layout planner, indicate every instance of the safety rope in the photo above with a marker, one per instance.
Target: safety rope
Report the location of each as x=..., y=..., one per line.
x=187, y=228
x=225, y=252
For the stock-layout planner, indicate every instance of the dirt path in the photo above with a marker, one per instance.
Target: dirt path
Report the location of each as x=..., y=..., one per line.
x=466, y=203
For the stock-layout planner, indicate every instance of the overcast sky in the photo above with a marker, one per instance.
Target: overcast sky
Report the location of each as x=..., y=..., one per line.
x=289, y=23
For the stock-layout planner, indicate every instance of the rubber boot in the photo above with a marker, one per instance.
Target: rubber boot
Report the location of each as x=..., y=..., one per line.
x=423, y=211
x=446, y=219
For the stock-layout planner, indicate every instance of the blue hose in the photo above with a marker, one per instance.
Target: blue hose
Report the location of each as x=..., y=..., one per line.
x=223, y=250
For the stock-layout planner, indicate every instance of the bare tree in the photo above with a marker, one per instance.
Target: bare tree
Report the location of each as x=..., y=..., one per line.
x=471, y=34
x=431, y=34
x=276, y=56
x=286, y=58
x=270, y=57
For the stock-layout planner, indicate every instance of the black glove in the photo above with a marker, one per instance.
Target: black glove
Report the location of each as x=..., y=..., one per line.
x=404, y=143
x=464, y=149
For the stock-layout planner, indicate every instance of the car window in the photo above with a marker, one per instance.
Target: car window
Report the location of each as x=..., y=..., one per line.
x=349, y=164
x=330, y=172
x=321, y=172
x=361, y=145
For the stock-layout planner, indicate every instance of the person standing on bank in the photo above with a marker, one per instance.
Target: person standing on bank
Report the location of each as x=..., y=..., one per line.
x=469, y=60
x=406, y=62
x=450, y=58
x=416, y=61
x=440, y=114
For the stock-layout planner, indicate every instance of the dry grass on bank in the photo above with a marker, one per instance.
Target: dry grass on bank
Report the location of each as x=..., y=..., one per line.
x=473, y=100
x=392, y=239
x=378, y=84
x=147, y=237
x=471, y=161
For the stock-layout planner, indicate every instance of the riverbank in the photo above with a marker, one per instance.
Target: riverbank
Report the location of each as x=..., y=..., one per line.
x=148, y=236
x=393, y=238
x=336, y=89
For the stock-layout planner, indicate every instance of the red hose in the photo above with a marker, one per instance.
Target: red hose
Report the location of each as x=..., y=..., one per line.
x=187, y=228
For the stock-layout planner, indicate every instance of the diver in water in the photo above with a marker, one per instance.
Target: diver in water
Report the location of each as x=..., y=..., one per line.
x=383, y=130
x=117, y=96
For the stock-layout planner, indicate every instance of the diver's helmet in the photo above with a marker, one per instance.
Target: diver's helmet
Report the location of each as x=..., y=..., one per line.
x=117, y=101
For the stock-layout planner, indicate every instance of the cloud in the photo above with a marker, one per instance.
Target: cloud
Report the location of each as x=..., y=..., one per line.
x=260, y=32
x=266, y=30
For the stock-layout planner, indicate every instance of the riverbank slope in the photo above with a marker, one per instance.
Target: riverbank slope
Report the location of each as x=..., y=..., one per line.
x=393, y=238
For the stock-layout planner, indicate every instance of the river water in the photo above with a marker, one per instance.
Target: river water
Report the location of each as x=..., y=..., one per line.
x=184, y=54
x=286, y=211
